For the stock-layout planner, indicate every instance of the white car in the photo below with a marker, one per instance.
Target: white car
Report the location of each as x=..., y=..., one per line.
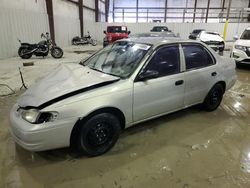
x=241, y=48
x=87, y=105
x=212, y=39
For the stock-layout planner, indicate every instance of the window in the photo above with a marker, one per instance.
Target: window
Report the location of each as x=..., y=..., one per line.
x=196, y=56
x=166, y=61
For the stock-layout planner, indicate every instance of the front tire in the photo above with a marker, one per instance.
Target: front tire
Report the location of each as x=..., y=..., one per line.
x=98, y=134
x=93, y=42
x=214, y=98
x=56, y=52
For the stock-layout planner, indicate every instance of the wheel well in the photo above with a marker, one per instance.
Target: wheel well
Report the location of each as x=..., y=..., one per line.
x=115, y=111
x=223, y=85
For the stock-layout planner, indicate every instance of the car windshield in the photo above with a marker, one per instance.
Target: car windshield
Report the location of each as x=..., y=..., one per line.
x=245, y=35
x=196, y=31
x=160, y=29
x=120, y=59
x=117, y=29
x=212, y=33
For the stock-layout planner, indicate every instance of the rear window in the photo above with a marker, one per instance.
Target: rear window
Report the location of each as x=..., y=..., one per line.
x=196, y=56
x=197, y=31
x=160, y=29
x=117, y=29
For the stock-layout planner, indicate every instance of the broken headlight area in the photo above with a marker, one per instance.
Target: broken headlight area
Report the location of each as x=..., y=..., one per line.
x=34, y=116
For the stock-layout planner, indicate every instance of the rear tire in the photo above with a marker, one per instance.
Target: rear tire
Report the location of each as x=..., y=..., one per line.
x=98, y=134
x=213, y=98
x=22, y=51
x=56, y=52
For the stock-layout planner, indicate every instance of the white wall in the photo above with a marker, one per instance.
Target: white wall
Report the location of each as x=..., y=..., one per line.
x=16, y=23
x=27, y=19
x=66, y=22
x=26, y=5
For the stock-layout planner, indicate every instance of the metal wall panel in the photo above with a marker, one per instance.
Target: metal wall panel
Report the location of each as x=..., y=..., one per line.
x=89, y=3
x=65, y=30
x=24, y=25
x=89, y=22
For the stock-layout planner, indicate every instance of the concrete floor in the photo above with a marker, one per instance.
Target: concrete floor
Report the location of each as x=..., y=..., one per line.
x=187, y=149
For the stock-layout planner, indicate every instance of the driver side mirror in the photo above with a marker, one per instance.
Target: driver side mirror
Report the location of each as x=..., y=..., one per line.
x=104, y=32
x=149, y=74
x=129, y=32
x=236, y=37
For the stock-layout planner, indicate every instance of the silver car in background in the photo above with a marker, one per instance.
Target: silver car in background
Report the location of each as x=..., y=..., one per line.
x=87, y=105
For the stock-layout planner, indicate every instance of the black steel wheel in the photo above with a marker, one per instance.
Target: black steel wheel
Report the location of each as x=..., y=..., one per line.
x=98, y=134
x=214, y=98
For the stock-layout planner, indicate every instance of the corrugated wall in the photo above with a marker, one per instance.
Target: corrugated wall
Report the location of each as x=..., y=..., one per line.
x=24, y=25
x=65, y=30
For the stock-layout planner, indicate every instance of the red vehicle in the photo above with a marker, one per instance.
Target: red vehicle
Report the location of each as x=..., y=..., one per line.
x=114, y=33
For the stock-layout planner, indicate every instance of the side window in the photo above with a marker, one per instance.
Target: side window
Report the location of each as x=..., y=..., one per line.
x=166, y=61
x=196, y=56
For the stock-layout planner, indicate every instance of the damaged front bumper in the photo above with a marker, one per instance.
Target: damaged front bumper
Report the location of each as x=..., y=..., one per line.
x=40, y=137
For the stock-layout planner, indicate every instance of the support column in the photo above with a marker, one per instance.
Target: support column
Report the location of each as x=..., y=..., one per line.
x=223, y=5
x=106, y=10
x=248, y=17
x=165, y=13
x=195, y=5
x=80, y=5
x=137, y=2
x=226, y=24
x=96, y=10
x=208, y=4
x=49, y=6
x=113, y=14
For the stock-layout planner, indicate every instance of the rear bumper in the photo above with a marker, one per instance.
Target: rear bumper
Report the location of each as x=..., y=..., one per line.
x=40, y=137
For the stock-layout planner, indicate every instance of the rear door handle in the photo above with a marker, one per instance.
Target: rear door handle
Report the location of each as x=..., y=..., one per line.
x=213, y=73
x=179, y=82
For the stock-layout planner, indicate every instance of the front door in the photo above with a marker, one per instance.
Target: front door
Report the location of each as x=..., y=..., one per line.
x=164, y=93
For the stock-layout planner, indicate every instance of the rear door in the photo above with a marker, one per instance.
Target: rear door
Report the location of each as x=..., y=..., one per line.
x=200, y=74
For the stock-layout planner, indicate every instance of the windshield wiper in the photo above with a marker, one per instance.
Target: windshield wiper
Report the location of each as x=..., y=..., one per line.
x=104, y=72
x=112, y=74
x=95, y=69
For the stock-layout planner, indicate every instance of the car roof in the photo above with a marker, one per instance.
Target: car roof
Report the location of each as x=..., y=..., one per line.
x=159, y=26
x=157, y=41
x=153, y=34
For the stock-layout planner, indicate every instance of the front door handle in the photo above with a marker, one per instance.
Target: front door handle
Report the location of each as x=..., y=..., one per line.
x=179, y=82
x=213, y=73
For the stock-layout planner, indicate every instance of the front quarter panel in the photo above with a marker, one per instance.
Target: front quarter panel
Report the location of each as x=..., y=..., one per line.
x=117, y=95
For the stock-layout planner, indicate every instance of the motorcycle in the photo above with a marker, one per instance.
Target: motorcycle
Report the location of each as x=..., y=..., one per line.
x=84, y=40
x=26, y=50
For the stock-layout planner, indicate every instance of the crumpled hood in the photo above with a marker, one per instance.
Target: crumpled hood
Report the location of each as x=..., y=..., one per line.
x=242, y=42
x=65, y=79
x=210, y=37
